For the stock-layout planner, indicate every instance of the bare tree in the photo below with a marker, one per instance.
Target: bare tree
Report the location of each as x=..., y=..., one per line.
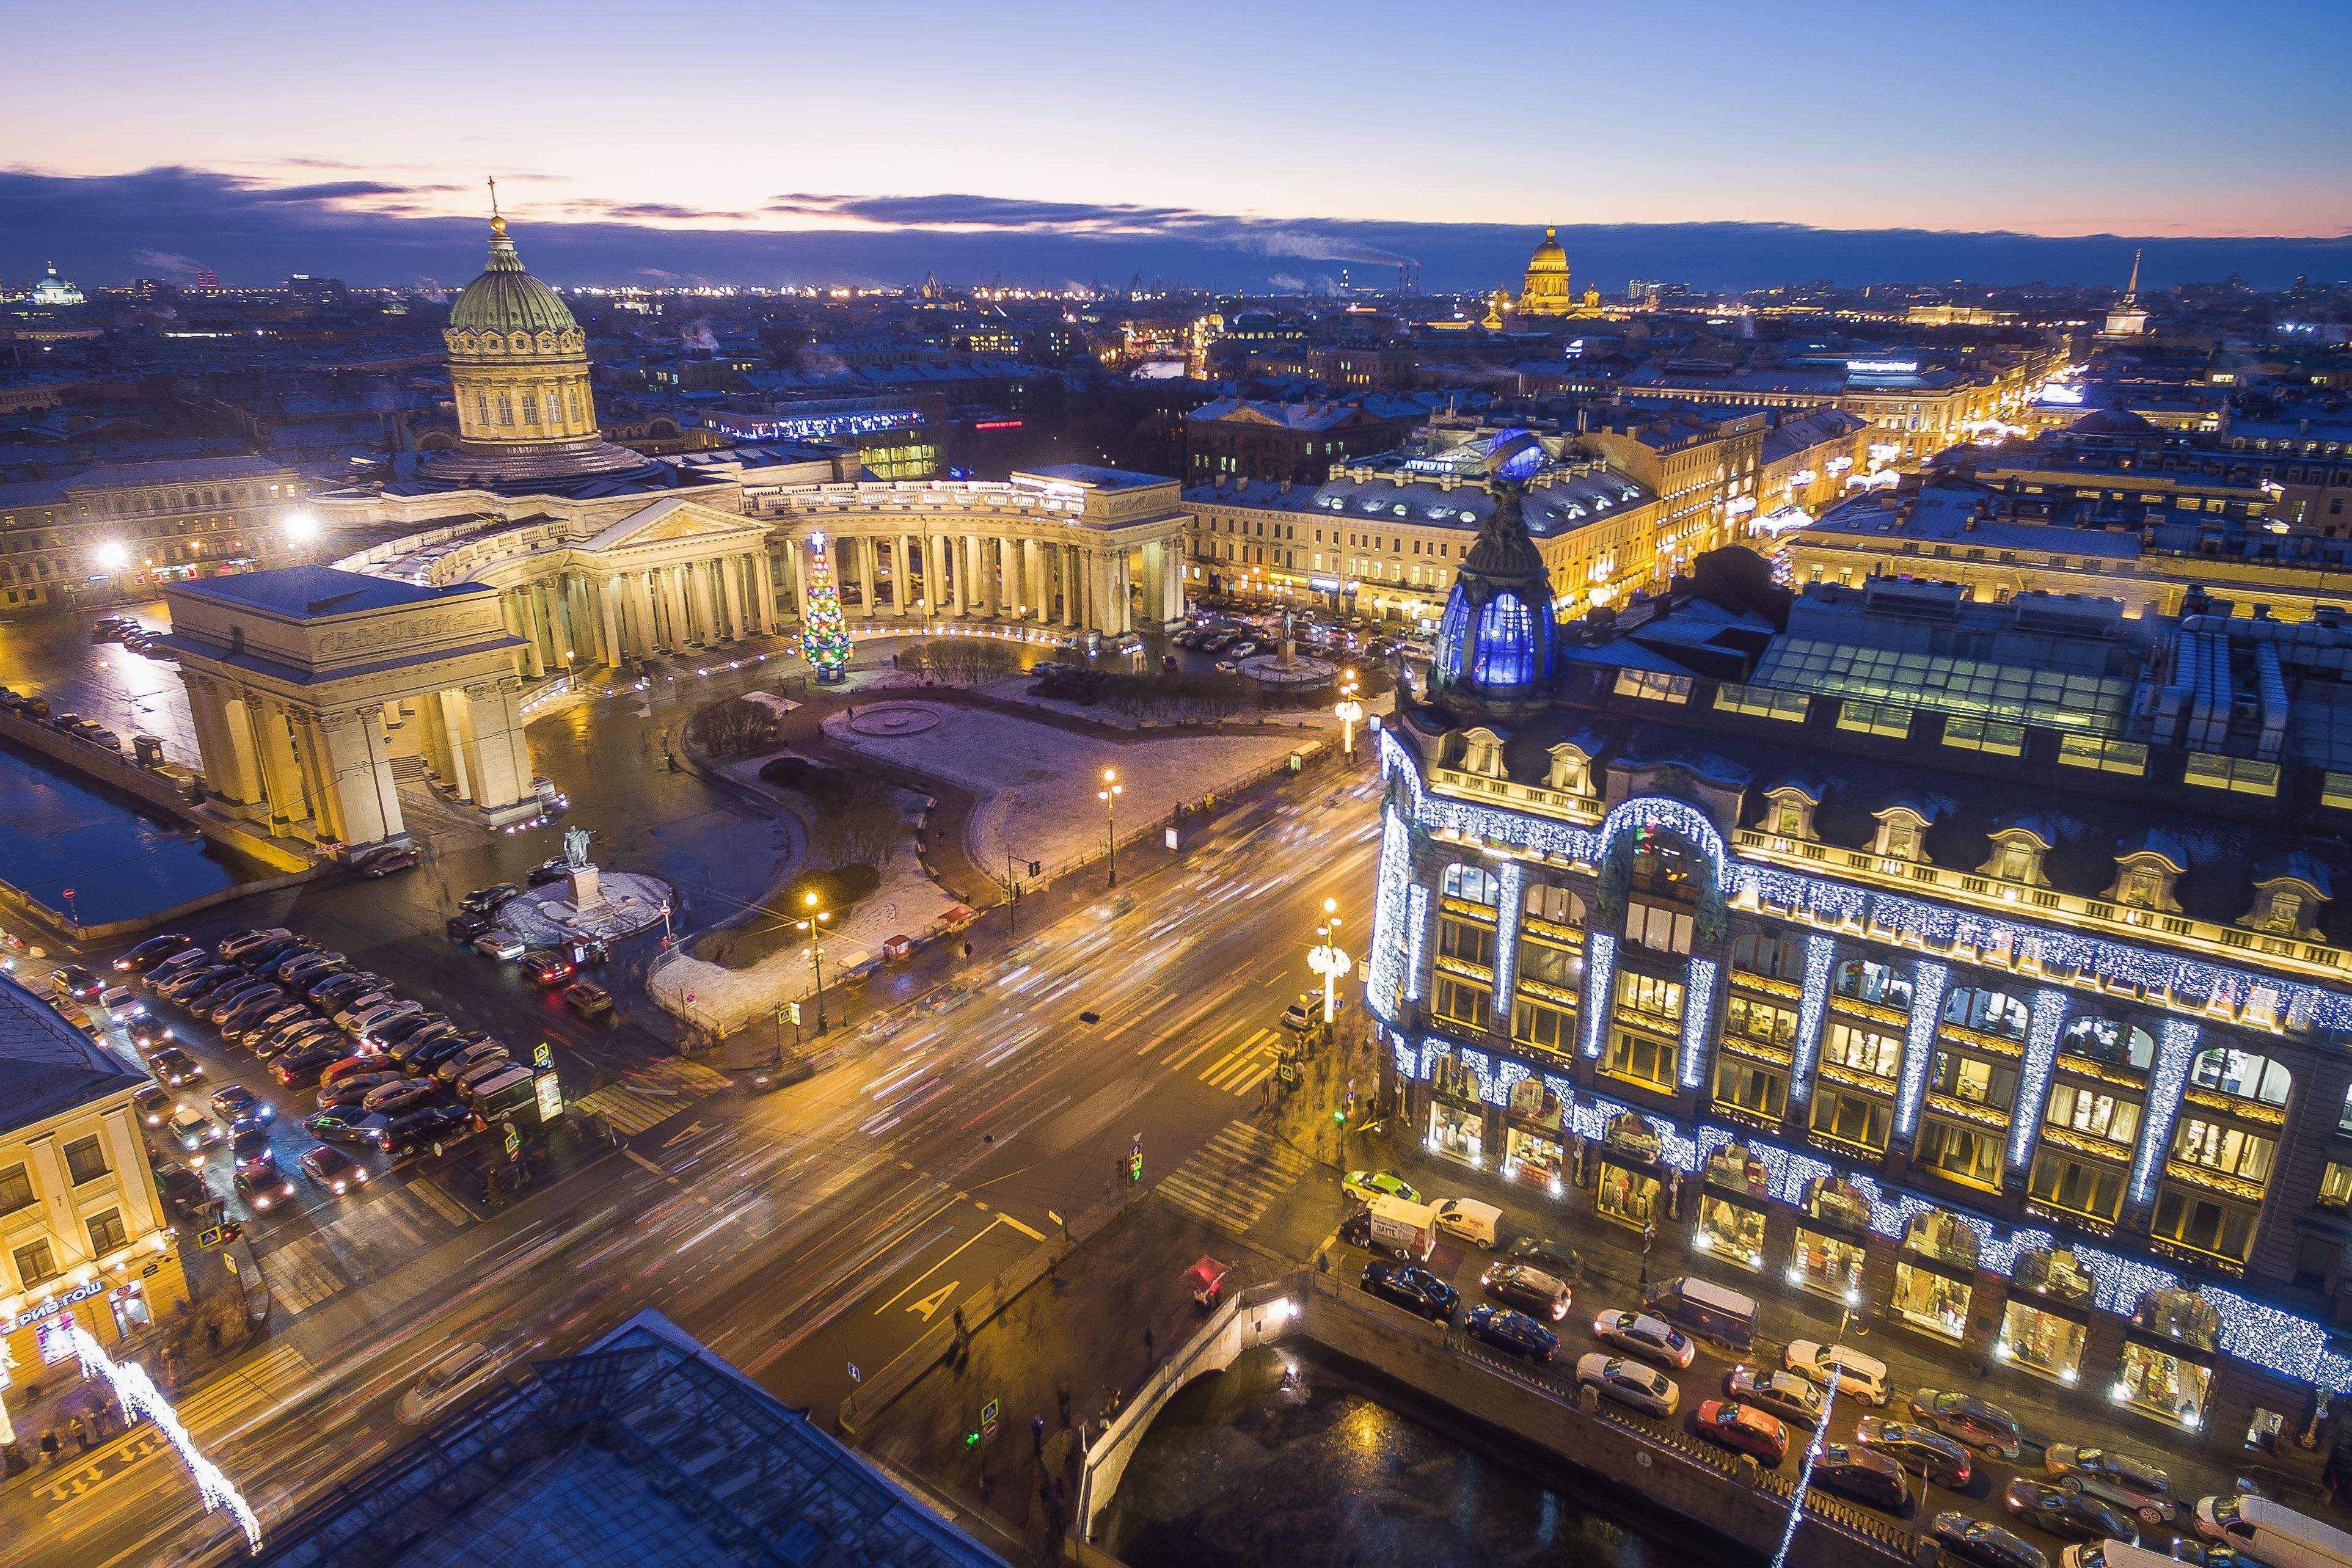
x=735, y=727
x=869, y=828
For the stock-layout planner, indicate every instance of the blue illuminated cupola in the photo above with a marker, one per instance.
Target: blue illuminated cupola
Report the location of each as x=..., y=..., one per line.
x=1495, y=642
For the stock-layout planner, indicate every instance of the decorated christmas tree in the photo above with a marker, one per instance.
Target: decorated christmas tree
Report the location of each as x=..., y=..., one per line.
x=825, y=638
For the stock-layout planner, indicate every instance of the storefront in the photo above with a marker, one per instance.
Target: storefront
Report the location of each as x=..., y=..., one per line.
x=2047, y=1321
x=1935, y=1277
x=1830, y=1241
x=1534, y=1149
x=1732, y=1214
x=2167, y=1361
x=1629, y=1191
x=1457, y=1118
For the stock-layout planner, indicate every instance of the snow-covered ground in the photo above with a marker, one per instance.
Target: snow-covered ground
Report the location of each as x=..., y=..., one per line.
x=1016, y=689
x=1038, y=782
x=723, y=1001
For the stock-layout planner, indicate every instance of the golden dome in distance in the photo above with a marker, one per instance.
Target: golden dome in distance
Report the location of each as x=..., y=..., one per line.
x=1545, y=289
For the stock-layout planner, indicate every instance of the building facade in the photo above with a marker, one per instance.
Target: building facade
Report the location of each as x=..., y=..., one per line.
x=1882, y=948
x=120, y=532
x=84, y=1241
x=1918, y=409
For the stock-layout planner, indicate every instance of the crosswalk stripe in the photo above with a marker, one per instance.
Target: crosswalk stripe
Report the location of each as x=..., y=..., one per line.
x=428, y=1192
x=1234, y=1178
x=299, y=1274
x=1217, y=1069
x=1183, y=1054
x=684, y=1074
x=1251, y=1079
x=281, y=1366
x=626, y=1109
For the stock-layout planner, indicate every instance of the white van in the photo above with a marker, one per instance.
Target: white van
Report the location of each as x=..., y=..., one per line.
x=2272, y=1533
x=446, y=1381
x=2112, y=1553
x=1401, y=1227
x=1859, y=1376
x=1468, y=1219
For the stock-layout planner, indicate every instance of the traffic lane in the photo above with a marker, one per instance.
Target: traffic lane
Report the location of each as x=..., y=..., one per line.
x=1706, y=1378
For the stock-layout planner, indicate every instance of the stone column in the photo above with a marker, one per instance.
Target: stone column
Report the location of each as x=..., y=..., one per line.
x=700, y=574
x=458, y=728
x=1155, y=567
x=608, y=622
x=763, y=609
x=795, y=580
x=738, y=594
x=359, y=757
x=217, y=745
x=865, y=575
x=493, y=743
x=433, y=738
x=648, y=605
x=1171, y=608
x=317, y=778
x=518, y=621
x=673, y=598
x=991, y=581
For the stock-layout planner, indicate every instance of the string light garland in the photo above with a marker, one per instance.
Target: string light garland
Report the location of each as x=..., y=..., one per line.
x=2176, y=1049
x=140, y=1398
x=1507, y=938
x=1699, y=1005
x=2034, y=1077
x=1819, y=953
x=1927, y=981
x=1384, y=983
x=1600, y=963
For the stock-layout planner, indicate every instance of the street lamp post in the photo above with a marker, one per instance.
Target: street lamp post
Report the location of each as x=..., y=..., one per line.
x=1348, y=711
x=1108, y=795
x=1328, y=959
x=814, y=926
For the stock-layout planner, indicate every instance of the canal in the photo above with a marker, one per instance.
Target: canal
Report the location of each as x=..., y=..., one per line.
x=59, y=831
x=1327, y=1467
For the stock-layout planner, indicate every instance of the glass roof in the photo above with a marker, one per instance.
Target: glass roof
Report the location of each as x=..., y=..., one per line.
x=1981, y=688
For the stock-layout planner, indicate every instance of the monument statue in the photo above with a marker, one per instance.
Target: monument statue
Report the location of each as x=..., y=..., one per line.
x=576, y=848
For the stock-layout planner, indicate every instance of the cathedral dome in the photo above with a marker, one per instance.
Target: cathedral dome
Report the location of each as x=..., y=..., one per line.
x=507, y=299
x=1495, y=642
x=1544, y=291
x=1548, y=256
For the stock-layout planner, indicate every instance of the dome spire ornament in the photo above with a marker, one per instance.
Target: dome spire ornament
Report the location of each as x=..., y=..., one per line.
x=1495, y=642
x=497, y=223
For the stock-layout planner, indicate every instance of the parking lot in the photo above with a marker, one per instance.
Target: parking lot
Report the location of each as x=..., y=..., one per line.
x=1699, y=1371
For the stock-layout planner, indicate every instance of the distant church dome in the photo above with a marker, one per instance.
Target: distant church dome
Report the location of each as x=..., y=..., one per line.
x=1495, y=642
x=1544, y=292
x=506, y=300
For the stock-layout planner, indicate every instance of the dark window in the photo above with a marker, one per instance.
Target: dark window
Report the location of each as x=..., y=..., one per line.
x=106, y=1232
x=16, y=1188
x=85, y=1160
x=35, y=1263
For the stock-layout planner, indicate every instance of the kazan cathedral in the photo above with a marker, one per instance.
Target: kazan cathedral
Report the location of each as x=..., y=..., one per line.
x=1965, y=970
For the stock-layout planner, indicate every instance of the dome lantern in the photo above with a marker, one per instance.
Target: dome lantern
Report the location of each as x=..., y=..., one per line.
x=1495, y=640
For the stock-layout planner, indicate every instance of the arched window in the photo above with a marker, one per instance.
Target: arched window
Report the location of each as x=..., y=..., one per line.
x=1548, y=901
x=1987, y=1012
x=1941, y=1236
x=2054, y=1273
x=1473, y=883
x=1774, y=957
x=1867, y=980
x=1506, y=642
x=2243, y=1074
x=2179, y=1314
x=2112, y=1041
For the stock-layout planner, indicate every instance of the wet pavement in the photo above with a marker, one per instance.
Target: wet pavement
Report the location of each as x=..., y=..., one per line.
x=1255, y=1465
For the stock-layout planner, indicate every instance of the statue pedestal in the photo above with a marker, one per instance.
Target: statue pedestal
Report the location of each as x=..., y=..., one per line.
x=585, y=892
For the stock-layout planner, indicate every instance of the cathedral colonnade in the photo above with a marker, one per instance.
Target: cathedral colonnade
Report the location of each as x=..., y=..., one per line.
x=606, y=612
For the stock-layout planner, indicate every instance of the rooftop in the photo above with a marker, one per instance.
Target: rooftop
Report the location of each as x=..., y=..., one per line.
x=1092, y=476
x=304, y=591
x=46, y=1065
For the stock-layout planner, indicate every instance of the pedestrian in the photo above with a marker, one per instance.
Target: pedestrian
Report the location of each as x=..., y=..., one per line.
x=1038, y=1435
x=1151, y=1350
x=81, y=1430
x=49, y=1445
x=1062, y=1404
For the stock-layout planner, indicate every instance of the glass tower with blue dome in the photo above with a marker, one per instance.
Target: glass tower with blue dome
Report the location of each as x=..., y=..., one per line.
x=1495, y=640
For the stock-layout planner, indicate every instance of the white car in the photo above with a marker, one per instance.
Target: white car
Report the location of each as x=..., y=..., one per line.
x=347, y=1017
x=120, y=999
x=501, y=945
x=366, y=1024
x=195, y=1132
x=1629, y=1382
x=1862, y=1377
x=1652, y=1339
x=447, y=1381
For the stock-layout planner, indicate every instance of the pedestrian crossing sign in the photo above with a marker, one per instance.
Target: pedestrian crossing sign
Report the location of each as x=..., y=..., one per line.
x=544, y=1055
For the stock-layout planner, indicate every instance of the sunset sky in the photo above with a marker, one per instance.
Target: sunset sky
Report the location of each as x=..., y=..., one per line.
x=1166, y=122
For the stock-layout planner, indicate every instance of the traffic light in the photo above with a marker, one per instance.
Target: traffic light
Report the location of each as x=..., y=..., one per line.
x=972, y=1439
x=1135, y=1161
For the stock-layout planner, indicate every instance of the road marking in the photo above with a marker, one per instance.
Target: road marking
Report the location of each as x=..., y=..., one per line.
x=992, y=1220
x=1236, y=1177
x=1031, y=1235
x=428, y=1191
x=930, y=1305
x=626, y=1109
x=1175, y=1060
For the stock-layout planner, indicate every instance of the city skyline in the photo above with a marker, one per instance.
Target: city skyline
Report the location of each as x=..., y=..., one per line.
x=1990, y=156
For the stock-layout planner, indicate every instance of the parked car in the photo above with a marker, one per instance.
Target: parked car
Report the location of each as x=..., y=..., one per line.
x=1558, y=1259
x=303, y=1064
x=1412, y=1287
x=1639, y=1334
x=350, y=1093
x=399, y=1095
x=236, y=943
x=1745, y=1428
x=1781, y=1394
x=385, y=860
x=1863, y=1475
x=469, y=1058
x=360, y=1063
x=2119, y=1478
x=428, y=1051
x=1467, y=1219
x=1986, y=1427
x=365, y=1025
x=152, y=952
x=393, y=1034
x=1629, y=1382
x=549, y=968
x=1369, y=1185
x=483, y=900
x=183, y=984
x=555, y=868
x=347, y=1012
x=331, y=991
x=1512, y=1332
x=259, y=960
x=1527, y=1287
x=1860, y=1376
x=174, y=1067
x=422, y=1128
x=180, y=1185
x=466, y=925
x=347, y=1124
x=261, y=1014
x=587, y=999
x=1980, y=1544
x=1944, y=1462
x=2069, y=1515
x=334, y=1170
x=500, y=945
x=237, y=1104
x=264, y=1186
x=229, y=998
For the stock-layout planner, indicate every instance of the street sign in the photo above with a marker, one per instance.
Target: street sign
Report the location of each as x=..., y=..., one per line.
x=1171, y=838
x=543, y=1055
x=213, y=1236
x=514, y=1140
x=793, y=1009
x=549, y=1090
x=855, y=1376
x=69, y=893
x=988, y=1419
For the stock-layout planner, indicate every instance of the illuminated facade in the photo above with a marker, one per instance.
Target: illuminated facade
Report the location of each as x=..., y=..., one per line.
x=84, y=1241
x=123, y=530
x=1545, y=290
x=1888, y=948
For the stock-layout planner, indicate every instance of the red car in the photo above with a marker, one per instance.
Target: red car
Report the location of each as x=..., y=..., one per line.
x=1745, y=1428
